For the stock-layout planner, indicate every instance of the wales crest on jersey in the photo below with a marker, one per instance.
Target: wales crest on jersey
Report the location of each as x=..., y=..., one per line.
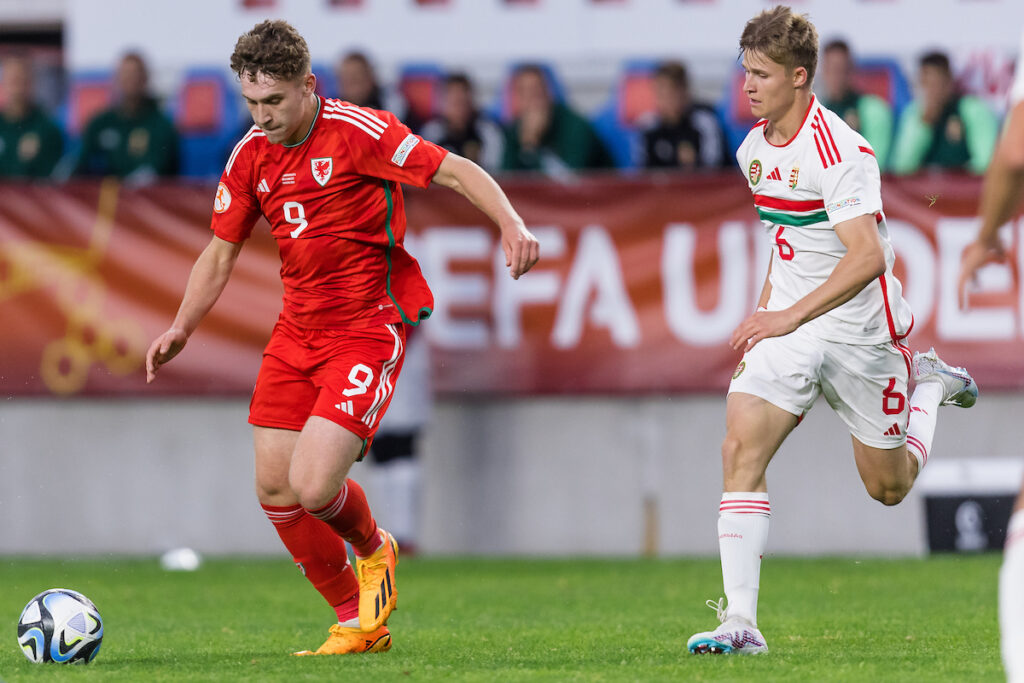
x=322, y=168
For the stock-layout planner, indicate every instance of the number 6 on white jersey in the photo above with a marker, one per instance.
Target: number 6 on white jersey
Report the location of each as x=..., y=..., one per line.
x=298, y=218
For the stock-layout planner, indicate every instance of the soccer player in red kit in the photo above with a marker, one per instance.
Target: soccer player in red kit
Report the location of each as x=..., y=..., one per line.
x=327, y=176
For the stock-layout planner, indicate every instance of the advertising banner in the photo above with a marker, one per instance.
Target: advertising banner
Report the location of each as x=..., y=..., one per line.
x=640, y=283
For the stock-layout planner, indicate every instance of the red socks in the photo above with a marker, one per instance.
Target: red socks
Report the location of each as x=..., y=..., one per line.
x=321, y=555
x=349, y=515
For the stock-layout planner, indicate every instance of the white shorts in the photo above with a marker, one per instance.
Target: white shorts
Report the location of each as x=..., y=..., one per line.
x=865, y=385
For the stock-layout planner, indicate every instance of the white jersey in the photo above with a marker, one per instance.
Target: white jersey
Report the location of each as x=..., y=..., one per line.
x=1017, y=90
x=824, y=175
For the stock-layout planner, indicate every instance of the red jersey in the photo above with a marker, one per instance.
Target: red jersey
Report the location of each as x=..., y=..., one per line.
x=334, y=204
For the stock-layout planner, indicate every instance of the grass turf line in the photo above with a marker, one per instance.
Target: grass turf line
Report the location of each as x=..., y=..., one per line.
x=513, y=619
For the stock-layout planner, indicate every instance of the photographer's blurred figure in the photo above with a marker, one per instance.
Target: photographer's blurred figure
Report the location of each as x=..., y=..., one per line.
x=462, y=128
x=398, y=472
x=31, y=144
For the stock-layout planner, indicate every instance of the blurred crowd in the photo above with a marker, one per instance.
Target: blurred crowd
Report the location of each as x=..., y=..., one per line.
x=655, y=121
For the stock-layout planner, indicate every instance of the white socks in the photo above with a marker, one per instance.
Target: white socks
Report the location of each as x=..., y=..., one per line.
x=1011, y=599
x=397, y=485
x=742, y=535
x=924, y=405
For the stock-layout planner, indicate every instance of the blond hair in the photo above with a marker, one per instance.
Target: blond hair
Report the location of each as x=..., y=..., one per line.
x=784, y=37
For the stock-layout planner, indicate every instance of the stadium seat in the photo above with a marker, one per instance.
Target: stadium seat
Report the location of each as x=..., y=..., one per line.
x=884, y=78
x=420, y=86
x=89, y=93
x=631, y=99
x=207, y=114
x=326, y=81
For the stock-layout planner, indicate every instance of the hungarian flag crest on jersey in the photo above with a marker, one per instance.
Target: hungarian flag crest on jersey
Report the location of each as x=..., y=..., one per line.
x=321, y=168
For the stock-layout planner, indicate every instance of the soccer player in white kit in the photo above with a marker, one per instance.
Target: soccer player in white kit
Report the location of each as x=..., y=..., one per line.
x=1000, y=197
x=831, y=318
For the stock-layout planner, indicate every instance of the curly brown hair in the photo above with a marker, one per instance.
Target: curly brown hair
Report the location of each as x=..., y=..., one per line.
x=272, y=48
x=785, y=37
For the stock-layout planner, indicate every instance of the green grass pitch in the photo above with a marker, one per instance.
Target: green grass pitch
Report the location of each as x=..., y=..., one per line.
x=517, y=619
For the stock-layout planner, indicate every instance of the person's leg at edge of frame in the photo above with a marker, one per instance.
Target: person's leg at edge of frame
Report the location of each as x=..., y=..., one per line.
x=1011, y=595
x=754, y=431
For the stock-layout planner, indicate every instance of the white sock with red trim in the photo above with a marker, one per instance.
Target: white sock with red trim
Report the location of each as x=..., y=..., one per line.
x=1011, y=599
x=924, y=406
x=742, y=535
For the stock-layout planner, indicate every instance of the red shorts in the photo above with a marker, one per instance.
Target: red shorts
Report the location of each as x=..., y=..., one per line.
x=345, y=376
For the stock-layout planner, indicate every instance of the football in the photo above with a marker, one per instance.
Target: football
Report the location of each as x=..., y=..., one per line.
x=60, y=625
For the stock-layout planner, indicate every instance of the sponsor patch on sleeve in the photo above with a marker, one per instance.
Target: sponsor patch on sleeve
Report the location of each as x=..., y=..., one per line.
x=402, y=153
x=842, y=204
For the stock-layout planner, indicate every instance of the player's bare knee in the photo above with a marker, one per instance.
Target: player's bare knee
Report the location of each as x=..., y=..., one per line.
x=269, y=491
x=891, y=494
x=732, y=449
x=270, y=486
x=313, y=494
x=740, y=464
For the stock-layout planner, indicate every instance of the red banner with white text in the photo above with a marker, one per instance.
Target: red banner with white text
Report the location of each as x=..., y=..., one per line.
x=640, y=283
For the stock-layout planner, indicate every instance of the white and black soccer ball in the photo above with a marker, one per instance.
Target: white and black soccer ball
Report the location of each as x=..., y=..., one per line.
x=60, y=625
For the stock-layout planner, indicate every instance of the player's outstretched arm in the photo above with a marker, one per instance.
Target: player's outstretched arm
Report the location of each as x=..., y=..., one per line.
x=460, y=174
x=209, y=276
x=1000, y=196
x=864, y=261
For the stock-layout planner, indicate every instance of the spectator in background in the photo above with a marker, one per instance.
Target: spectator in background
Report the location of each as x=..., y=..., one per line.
x=869, y=115
x=357, y=82
x=943, y=128
x=31, y=144
x=547, y=135
x=133, y=139
x=462, y=128
x=680, y=133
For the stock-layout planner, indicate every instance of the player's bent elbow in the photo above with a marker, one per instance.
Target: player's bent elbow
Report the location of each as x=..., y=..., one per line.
x=871, y=266
x=877, y=263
